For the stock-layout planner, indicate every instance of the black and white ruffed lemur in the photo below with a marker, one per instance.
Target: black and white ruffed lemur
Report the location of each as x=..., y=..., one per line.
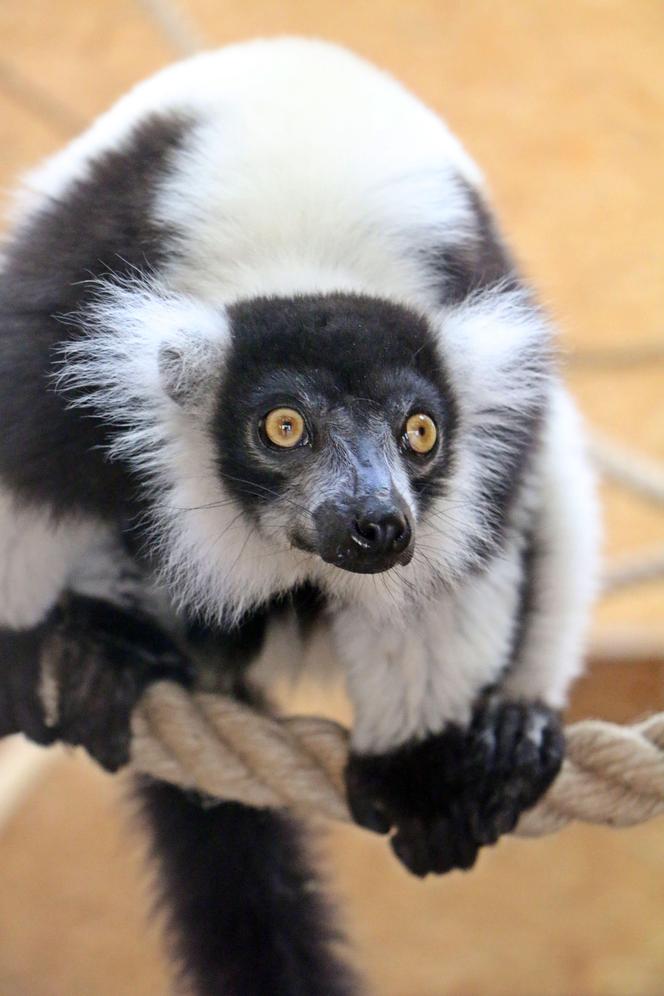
x=263, y=351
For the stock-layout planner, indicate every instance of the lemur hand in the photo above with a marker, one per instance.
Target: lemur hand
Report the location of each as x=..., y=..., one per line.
x=95, y=663
x=454, y=792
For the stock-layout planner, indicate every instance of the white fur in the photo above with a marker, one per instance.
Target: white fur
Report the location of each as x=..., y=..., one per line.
x=308, y=170
x=484, y=341
x=38, y=557
x=410, y=677
x=304, y=86
x=41, y=556
x=566, y=561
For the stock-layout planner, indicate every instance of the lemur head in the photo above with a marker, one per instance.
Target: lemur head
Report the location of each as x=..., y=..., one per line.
x=332, y=423
x=321, y=437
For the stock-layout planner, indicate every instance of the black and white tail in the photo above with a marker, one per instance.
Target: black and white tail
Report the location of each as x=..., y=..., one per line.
x=245, y=913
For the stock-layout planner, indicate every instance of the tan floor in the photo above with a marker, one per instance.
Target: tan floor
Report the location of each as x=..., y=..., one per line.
x=563, y=104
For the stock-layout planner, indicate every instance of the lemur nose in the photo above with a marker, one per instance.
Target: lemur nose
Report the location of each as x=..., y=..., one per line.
x=383, y=533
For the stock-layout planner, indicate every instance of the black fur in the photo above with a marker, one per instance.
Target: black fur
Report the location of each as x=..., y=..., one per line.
x=517, y=433
x=482, y=260
x=454, y=792
x=308, y=604
x=21, y=709
x=99, y=660
x=102, y=658
x=102, y=225
x=222, y=655
x=246, y=914
x=371, y=357
x=527, y=593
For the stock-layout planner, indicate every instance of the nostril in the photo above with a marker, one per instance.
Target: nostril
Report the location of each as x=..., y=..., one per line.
x=389, y=534
x=399, y=533
x=369, y=533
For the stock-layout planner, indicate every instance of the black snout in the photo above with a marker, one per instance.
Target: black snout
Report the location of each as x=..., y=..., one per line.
x=382, y=533
x=366, y=537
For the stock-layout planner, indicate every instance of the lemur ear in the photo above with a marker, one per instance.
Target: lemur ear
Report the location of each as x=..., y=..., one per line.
x=191, y=364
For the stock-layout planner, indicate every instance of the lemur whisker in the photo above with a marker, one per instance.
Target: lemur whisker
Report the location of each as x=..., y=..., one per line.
x=389, y=592
x=230, y=570
x=270, y=492
x=223, y=503
x=405, y=581
x=226, y=529
x=420, y=545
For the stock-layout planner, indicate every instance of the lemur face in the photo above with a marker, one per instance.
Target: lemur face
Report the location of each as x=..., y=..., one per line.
x=334, y=425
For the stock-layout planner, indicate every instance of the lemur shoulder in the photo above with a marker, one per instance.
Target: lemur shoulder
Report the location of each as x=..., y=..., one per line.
x=265, y=351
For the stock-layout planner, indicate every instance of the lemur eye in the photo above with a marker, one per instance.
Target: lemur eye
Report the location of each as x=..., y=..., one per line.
x=284, y=427
x=420, y=433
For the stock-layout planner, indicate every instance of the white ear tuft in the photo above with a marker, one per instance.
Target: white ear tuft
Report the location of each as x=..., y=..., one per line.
x=190, y=366
x=146, y=346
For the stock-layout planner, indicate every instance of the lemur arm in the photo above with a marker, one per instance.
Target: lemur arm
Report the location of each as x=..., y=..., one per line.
x=457, y=727
x=72, y=663
x=36, y=556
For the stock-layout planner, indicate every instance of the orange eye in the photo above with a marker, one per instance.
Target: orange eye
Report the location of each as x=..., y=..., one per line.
x=421, y=433
x=284, y=427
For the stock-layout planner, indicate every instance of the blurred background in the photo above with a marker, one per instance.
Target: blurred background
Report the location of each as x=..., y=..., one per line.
x=562, y=104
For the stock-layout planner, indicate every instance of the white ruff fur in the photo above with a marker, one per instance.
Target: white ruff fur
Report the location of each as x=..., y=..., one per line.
x=214, y=559
x=566, y=563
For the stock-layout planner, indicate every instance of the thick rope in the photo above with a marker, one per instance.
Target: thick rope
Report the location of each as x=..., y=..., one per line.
x=612, y=774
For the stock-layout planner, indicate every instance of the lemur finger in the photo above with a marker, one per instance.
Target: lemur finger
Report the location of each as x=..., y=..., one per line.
x=552, y=747
x=365, y=808
x=125, y=639
x=510, y=730
x=96, y=663
x=482, y=824
x=409, y=844
x=95, y=711
x=368, y=813
x=451, y=846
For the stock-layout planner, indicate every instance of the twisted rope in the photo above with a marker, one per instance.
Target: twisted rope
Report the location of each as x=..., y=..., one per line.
x=612, y=774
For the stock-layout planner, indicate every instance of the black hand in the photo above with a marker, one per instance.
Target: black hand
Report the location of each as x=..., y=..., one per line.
x=21, y=708
x=452, y=793
x=100, y=659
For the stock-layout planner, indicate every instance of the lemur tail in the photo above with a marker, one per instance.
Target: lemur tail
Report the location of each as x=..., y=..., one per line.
x=246, y=914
